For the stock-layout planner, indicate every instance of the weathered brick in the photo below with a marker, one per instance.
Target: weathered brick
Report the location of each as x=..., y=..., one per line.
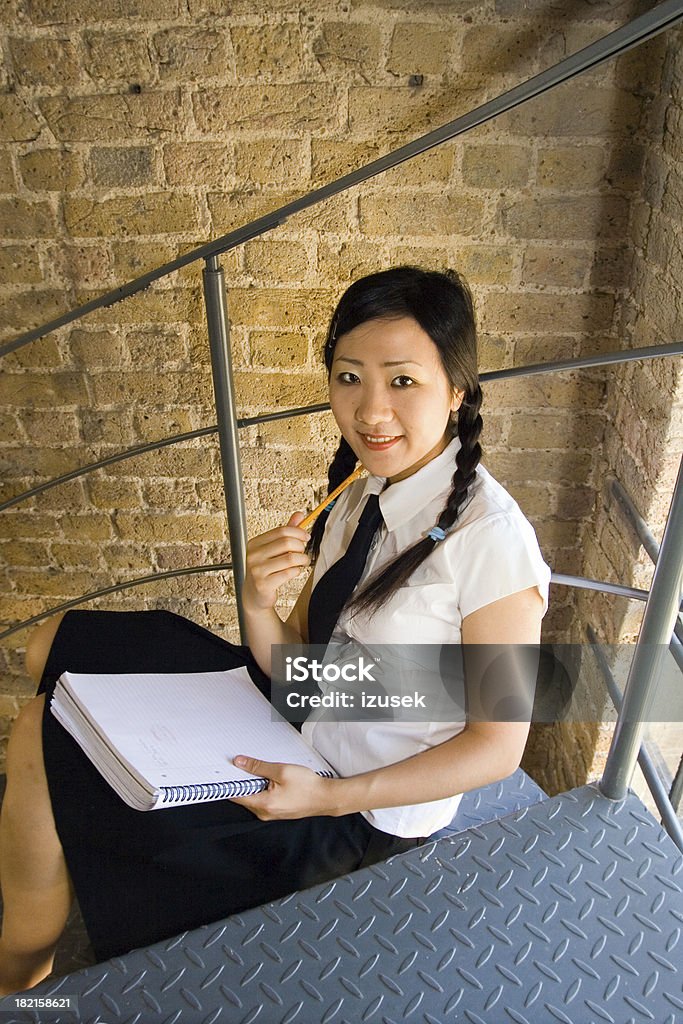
x=383, y=213
x=552, y=428
x=117, y=55
x=311, y=107
x=524, y=311
x=483, y=264
x=10, y=429
x=96, y=348
x=127, y=556
x=111, y=118
x=562, y=268
x=7, y=179
x=20, y=218
x=578, y=110
x=191, y=52
x=104, y=427
x=54, y=389
x=347, y=260
x=154, y=423
x=278, y=348
x=374, y=110
x=276, y=262
x=168, y=306
x=124, y=165
x=500, y=166
x=19, y=264
x=42, y=353
x=152, y=214
x=77, y=555
x=237, y=209
x=333, y=159
x=278, y=391
x=18, y=122
x=586, y=217
x=555, y=466
x=194, y=163
x=87, y=263
x=87, y=526
x=54, y=12
x=146, y=385
x=30, y=525
x=281, y=307
x=280, y=162
x=50, y=427
x=178, y=494
x=134, y=258
x=154, y=348
x=45, y=61
x=51, y=170
x=347, y=48
x=419, y=48
x=272, y=50
x=571, y=168
x=171, y=526
x=25, y=552
x=543, y=391
x=611, y=267
x=502, y=49
x=24, y=310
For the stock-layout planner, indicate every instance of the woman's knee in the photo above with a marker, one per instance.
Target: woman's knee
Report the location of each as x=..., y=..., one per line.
x=39, y=644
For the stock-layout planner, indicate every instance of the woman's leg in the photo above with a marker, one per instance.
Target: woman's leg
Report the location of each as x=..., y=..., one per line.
x=36, y=890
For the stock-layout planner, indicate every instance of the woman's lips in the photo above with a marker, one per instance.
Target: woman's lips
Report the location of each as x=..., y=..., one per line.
x=379, y=442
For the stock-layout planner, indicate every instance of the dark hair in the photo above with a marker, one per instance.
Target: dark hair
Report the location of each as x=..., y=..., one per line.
x=441, y=303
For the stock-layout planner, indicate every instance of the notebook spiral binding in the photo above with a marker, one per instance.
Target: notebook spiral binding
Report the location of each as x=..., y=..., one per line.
x=218, y=790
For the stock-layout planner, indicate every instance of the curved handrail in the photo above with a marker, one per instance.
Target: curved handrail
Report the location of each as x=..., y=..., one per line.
x=559, y=578
x=581, y=362
x=642, y=28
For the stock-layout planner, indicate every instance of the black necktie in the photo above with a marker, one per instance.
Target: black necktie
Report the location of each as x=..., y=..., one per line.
x=334, y=588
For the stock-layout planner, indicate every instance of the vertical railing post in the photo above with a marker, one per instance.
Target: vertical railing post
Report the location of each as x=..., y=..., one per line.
x=652, y=648
x=224, y=391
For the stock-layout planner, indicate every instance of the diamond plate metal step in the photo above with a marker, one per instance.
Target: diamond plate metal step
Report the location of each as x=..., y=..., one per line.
x=568, y=911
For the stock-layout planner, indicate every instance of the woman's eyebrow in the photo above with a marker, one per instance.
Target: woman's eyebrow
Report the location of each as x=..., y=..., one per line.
x=393, y=362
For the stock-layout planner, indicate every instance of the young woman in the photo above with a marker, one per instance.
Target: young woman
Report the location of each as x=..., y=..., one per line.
x=453, y=562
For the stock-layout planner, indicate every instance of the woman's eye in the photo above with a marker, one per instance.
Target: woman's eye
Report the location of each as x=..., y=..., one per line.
x=346, y=377
x=404, y=381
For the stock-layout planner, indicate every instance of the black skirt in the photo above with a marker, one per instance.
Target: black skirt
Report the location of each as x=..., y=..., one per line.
x=142, y=876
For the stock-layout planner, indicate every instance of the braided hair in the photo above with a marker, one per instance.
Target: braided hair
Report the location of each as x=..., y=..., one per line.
x=441, y=303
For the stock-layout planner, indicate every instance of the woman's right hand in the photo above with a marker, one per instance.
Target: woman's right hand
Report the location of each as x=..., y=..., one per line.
x=274, y=558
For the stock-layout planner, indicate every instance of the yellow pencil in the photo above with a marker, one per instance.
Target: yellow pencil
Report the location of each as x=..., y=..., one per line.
x=312, y=516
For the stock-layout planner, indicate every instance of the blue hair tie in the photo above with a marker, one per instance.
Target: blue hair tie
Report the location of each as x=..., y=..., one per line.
x=331, y=505
x=437, y=534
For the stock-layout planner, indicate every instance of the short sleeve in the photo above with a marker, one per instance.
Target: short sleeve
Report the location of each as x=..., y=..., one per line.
x=496, y=557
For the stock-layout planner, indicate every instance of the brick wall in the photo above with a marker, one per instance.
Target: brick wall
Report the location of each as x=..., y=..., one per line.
x=644, y=413
x=131, y=134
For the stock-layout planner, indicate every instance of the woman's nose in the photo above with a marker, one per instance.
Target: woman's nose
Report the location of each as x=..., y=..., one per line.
x=374, y=407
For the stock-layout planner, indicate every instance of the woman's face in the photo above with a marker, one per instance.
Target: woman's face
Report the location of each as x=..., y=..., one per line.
x=391, y=397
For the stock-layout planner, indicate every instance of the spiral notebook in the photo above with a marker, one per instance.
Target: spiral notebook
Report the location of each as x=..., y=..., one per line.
x=166, y=740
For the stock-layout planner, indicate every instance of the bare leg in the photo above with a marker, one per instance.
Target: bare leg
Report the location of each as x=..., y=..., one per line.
x=36, y=888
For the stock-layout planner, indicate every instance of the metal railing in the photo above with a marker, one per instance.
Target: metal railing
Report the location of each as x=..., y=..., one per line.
x=664, y=597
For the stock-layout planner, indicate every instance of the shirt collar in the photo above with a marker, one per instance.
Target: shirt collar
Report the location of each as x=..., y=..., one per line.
x=398, y=501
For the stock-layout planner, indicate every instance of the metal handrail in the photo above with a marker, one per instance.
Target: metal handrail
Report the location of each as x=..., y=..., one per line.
x=580, y=362
x=664, y=16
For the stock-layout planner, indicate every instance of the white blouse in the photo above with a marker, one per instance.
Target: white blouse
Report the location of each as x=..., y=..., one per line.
x=491, y=553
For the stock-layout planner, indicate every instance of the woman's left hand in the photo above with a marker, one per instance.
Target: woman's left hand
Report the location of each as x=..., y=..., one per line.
x=293, y=791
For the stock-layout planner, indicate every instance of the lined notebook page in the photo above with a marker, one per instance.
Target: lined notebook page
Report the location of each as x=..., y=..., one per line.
x=183, y=729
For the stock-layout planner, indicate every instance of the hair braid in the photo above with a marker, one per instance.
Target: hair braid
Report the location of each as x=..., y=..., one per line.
x=342, y=465
x=467, y=459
